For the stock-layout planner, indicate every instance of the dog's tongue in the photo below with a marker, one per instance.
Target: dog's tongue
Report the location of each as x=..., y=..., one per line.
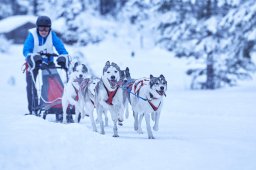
x=112, y=83
x=161, y=93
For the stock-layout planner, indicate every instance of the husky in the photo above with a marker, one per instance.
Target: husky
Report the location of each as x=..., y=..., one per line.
x=147, y=99
x=109, y=96
x=88, y=87
x=127, y=82
x=71, y=89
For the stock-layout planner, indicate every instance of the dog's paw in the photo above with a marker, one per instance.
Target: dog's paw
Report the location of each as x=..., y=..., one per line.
x=151, y=137
x=64, y=121
x=140, y=131
x=135, y=127
x=155, y=128
x=115, y=135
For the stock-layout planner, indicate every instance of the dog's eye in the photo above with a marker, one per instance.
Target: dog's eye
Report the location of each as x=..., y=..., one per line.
x=115, y=71
x=108, y=72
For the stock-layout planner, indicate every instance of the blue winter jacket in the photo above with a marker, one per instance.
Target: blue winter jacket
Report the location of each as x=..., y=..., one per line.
x=29, y=44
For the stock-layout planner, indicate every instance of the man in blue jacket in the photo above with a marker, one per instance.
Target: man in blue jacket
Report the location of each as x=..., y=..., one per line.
x=39, y=40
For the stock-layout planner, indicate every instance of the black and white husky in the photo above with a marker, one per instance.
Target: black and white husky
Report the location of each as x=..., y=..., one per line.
x=147, y=99
x=127, y=82
x=109, y=96
x=71, y=89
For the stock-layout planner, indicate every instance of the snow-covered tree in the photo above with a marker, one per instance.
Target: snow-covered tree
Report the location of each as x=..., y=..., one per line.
x=5, y=9
x=194, y=29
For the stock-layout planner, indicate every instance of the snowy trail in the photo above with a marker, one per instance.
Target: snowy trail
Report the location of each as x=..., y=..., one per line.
x=213, y=130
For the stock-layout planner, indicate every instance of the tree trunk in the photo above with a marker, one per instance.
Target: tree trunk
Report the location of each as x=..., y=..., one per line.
x=35, y=6
x=210, y=72
x=210, y=62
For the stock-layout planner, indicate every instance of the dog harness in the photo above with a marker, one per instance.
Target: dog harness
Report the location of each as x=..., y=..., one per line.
x=111, y=95
x=76, y=90
x=153, y=106
x=137, y=88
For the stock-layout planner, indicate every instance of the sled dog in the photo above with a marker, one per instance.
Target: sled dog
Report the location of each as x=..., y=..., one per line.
x=127, y=82
x=109, y=96
x=88, y=87
x=71, y=90
x=147, y=99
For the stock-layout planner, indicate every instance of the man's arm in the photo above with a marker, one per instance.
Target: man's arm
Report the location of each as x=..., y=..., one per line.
x=28, y=45
x=58, y=44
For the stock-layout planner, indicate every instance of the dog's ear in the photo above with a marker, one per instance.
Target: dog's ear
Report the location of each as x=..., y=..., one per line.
x=162, y=76
x=127, y=71
x=151, y=76
x=107, y=63
x=75, y=65
x=85, y=70
x=106, y=66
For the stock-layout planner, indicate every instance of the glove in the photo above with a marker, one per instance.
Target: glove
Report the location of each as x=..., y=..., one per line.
x=62, y=61
x=34, y=60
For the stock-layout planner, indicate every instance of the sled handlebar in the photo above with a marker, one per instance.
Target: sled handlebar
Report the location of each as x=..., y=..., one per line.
x=48, y=54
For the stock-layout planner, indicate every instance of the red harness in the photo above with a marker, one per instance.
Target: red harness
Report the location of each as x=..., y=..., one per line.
x=153, y=106
x=136, y=91
x=111, y=95
x=76, y=90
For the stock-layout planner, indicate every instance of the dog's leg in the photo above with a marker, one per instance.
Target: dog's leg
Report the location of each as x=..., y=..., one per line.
x=135, y=115
x=77, y=110
x=126, y=109
x=73, y=102
x=139, y=124
x=153, y=116
x=115, y=130
x=64, y=110
x=99, y=118
x=147, y=119
x=114, y=117
x=94, y=128
x=106, y=118
x=157, y=116
x=120, y=114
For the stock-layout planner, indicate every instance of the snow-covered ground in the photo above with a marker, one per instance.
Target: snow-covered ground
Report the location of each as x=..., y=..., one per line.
x=199, y=130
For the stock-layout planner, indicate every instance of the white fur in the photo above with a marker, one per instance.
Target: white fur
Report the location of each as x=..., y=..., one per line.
x=88, y=97
x=140, y=104
x=110, y=72
x=70, y=92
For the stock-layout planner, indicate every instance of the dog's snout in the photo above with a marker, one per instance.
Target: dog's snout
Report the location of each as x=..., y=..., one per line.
x=113, y=77
x=125, y=81
x=162, y=87
x=80, y=76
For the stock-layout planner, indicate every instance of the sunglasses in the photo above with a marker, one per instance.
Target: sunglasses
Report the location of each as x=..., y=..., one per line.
x=45, y=29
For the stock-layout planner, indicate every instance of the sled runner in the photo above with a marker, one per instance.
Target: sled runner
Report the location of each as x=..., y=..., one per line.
x=51, y=89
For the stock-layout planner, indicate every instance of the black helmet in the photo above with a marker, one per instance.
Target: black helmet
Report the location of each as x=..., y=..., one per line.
x=43, y=21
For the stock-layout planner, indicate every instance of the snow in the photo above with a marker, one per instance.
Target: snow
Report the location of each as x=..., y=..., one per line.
x=199, y=130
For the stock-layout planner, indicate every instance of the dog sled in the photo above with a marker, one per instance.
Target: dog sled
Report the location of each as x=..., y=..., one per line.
x=50, y=87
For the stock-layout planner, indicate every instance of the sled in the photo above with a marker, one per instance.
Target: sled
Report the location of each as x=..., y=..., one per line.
x=51, y=91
